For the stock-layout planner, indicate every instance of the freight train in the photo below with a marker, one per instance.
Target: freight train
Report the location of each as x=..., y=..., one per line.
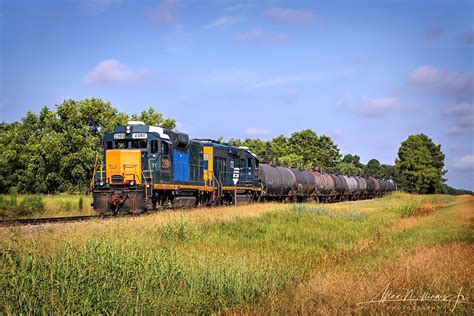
x=148, y=167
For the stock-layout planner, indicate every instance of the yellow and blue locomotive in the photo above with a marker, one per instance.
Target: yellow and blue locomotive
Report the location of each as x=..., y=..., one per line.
x=148, y=167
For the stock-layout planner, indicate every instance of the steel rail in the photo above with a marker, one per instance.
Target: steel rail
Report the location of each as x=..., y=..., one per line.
x=47, y=220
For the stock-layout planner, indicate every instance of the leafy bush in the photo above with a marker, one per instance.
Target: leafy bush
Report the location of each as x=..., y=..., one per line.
x=30, y=205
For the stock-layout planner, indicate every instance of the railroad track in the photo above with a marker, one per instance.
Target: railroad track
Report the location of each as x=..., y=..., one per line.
x=47, y=220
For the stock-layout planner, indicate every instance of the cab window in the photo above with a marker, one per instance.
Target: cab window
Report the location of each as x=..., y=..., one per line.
x=121, y=144
x=138, y=144
x=165, y=148
x=154, y=146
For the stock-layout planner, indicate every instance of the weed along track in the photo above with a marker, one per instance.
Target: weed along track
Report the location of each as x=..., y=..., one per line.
x=81, y=218
x=263, y=258
x=50, y=220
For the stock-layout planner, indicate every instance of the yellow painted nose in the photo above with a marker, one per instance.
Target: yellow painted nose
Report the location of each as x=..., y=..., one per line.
x=126, y=163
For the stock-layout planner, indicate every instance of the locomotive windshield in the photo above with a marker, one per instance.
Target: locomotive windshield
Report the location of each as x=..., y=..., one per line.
x=127, y=144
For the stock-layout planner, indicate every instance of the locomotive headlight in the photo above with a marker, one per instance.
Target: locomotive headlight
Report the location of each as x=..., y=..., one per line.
x=132, y=183
x=101, y=183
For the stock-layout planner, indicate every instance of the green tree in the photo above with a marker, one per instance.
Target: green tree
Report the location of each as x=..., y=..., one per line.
x=373, y=168
x=353, y=159
x=420, y=165
x=304, y=149
x=351, y=165
x=53, y=152
x=348, y=168
x=389, y=172
x=291, y=160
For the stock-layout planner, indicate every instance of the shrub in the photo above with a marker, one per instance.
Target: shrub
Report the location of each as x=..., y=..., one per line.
x=81, y=204
x=30, y=205
x=8, y=207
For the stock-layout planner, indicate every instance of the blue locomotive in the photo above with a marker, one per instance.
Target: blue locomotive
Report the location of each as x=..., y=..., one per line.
x=148, y=167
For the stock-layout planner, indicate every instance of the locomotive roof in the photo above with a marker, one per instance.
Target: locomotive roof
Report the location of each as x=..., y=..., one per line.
x=217, y=144
x=140, y=127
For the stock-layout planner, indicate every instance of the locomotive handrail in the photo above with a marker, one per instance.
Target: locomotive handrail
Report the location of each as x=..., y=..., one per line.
x=96, y=163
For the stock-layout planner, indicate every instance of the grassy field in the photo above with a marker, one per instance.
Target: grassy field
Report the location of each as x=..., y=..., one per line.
x=54, y=205
x=353, y=257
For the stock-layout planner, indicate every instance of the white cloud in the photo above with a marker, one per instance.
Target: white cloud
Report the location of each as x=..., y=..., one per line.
x=465, y=163
x=261, y=36
x=222, y=21
x=252, y=131
x=249, y=80
x=112, y=71
x=289, y=15
x=164, y=13
x=378, y=107
x=460, y=109
x=456, y=85
x=277, y=81
x=464, y=115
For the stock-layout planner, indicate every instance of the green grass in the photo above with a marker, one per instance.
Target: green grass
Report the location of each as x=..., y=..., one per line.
x=186, y=265
x=54, y=205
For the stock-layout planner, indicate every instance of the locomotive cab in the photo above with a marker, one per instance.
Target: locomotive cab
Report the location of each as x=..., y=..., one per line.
x=124, y=182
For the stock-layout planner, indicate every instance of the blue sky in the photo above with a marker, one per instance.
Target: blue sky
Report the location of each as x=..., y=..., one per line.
x=367, y=73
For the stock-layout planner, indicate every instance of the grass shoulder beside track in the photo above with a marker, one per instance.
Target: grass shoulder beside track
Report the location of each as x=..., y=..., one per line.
x=276, y=258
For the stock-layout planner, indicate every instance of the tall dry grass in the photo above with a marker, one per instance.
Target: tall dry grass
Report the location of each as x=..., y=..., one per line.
x=263, y=258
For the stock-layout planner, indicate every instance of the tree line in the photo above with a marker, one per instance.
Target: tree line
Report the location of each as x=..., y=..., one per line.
x=55, y=151
x=307, y=150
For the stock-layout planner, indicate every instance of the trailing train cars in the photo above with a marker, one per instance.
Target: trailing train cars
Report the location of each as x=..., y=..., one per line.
x=147, y=167
x=324, y=187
